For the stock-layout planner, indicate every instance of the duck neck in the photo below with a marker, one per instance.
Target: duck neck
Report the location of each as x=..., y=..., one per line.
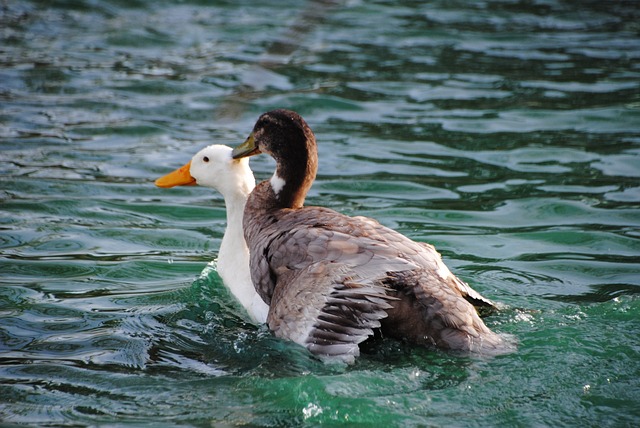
x=294, y=175
x=233, y=239
x=233, y=257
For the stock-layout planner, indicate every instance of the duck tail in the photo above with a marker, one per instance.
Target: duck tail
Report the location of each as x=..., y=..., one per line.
x=445, y=318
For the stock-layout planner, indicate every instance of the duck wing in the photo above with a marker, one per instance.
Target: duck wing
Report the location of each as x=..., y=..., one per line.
x=327, y=310
x=298, y=238
x=295, y=239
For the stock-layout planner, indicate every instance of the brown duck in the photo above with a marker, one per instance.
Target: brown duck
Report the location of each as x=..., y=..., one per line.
x=330, y=280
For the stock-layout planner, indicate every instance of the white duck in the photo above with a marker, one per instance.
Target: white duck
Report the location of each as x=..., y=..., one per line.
x=213, y=167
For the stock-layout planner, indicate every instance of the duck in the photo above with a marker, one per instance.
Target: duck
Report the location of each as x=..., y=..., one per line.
x=214, y=167
x=333, y=281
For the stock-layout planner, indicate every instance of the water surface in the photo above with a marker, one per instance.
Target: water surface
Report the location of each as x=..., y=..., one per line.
x=505, y=133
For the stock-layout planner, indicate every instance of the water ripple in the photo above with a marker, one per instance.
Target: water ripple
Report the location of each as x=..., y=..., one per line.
x=505, y=133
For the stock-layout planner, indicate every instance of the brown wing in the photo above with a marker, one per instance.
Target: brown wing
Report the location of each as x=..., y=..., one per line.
x=327, y=310
x=298, y=238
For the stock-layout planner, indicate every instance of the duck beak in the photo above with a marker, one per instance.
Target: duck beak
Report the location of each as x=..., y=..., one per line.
x=248, y=148
x=179, y=177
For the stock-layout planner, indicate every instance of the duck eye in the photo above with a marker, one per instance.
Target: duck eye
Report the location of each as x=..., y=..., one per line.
x=206, y=159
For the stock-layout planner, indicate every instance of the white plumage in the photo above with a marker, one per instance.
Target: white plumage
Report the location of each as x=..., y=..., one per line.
x=213, y=167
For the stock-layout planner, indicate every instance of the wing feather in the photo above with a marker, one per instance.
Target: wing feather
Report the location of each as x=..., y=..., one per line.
x=328, y=311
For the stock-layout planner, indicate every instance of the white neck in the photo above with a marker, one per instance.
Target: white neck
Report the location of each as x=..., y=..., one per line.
x=233, y=248
x=233, y=260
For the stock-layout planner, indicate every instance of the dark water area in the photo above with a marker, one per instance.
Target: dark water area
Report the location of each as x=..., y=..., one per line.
x=506, y=133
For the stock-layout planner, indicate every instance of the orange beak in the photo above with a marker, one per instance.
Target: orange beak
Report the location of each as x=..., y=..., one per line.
x=179, y=177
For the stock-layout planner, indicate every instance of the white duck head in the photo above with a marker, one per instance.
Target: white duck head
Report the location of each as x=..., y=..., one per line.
x=213, y=167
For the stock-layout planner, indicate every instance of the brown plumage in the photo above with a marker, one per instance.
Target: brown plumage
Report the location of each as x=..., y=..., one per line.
x=331, y=279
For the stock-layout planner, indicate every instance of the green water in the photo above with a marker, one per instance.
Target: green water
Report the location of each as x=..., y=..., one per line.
x=505, y=133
